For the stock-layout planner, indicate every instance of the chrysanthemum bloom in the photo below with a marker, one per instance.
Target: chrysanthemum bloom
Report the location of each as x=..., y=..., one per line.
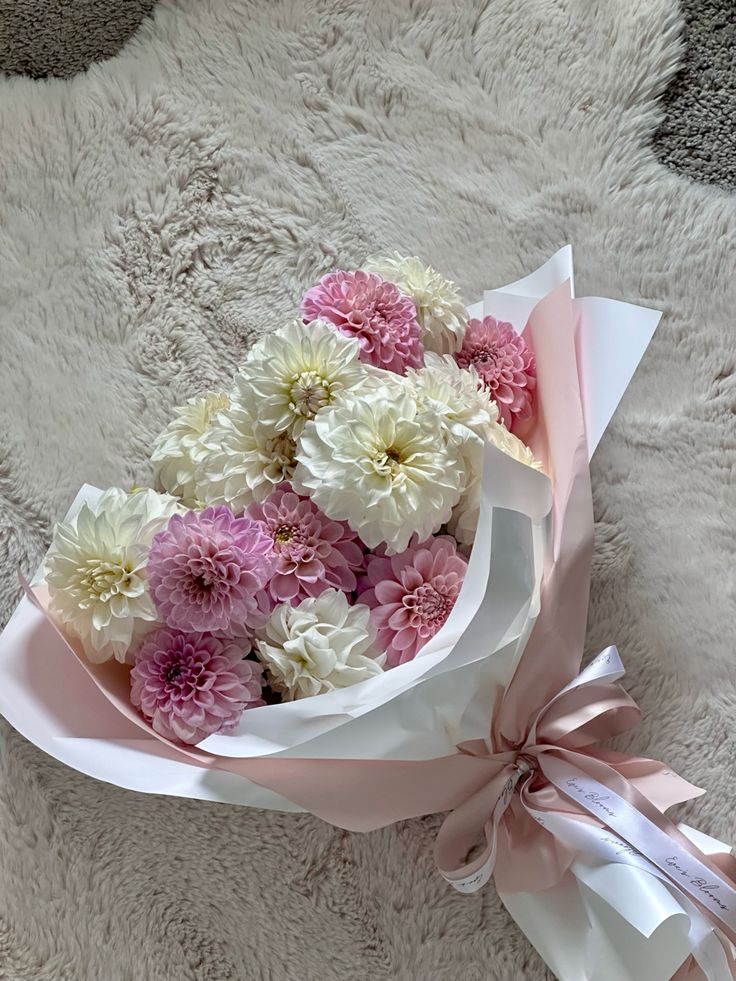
x=382, y=464
x=312, y=552
x=505, y=363
x=179, y=449
x=454, y=393
x=466, y=512
x=374, y=312
x=96, y=570
x=245, y=459
x=512, y=446
x=207, y=568
x=189, y=686
x=411, y=595
x=318, y=646
x=440, y=311
x=298, y=370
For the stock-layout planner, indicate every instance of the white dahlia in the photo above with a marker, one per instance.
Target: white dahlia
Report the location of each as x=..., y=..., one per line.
x=96, y=570
x=465, y=514
x=299, y=369
x=244, y=459
x=440, y=311
x=318, y=646
x=383, y=464
x=180, y=449
x=454, y=393
x=512, y=446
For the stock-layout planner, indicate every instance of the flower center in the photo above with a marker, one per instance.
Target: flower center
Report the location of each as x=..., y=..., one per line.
x=173, y=672
x=309, y=392
x=284, y=533
x=388, y=461
x=429, y=605
x=104, y=579
x=485, y=356
x=207, y=570
x=279, y=452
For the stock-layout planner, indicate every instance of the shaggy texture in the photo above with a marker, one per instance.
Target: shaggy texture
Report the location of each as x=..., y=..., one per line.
x=166, y=208
x=698, y=134
x=63, y=37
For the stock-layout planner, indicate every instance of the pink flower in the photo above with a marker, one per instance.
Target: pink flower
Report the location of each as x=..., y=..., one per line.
x=505, y=363
x=364, y=306
x=411, y=595
x=191, y=685
x=207, y=568
x=312, y=552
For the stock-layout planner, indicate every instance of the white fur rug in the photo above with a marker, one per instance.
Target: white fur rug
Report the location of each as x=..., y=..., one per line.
x=163, y=210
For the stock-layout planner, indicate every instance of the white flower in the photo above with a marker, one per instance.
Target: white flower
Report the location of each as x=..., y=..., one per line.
x=179, y=449
x=440, y=310
x=245, y=459
x=96, y=570
x=299, y=369
x=465, y=515
x=381, y=463
x=457, y=394
x=512, y=446
x=318, y=646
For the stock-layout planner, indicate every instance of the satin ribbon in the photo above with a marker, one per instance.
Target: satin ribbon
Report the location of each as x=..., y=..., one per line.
x=557, y=772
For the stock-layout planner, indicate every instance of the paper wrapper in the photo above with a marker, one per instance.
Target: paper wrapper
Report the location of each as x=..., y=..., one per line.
x=609, y=921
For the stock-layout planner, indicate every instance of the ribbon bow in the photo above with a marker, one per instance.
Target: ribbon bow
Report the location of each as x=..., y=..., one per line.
x=557, y=795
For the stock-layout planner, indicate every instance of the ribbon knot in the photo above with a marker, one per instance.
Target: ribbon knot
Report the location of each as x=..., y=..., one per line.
x=525, y=764
x=558, y=795
x=590, y=708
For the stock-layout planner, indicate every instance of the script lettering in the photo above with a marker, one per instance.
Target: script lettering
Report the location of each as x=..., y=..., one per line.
x=508, y=790
x=600, y=802
x=622, y=848
x=598, y=799
x=702, y=885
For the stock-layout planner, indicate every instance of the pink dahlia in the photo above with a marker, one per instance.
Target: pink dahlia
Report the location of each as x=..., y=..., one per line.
x=312, y=552
x=207, y=570
x=411, y=595
x=505, y=363
x=364, y=306
x=191, y=685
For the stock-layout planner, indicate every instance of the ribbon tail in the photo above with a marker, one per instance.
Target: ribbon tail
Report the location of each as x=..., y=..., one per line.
x=461, y=829
x=650, y=834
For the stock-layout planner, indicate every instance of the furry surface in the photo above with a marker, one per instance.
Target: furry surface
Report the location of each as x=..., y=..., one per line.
x=63, y=37
x=698, y=134
x=160, y=212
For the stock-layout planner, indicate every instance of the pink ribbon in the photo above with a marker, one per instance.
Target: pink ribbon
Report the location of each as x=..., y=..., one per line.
x=541, y=750
x=557, y=771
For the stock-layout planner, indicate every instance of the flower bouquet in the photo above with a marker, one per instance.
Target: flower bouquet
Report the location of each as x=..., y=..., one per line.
x=360, y=589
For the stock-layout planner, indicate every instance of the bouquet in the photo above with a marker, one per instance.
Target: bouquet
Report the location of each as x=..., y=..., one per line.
x=360, y=589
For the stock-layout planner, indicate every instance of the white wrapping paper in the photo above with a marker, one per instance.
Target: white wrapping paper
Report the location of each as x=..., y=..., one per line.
x=617, y=918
